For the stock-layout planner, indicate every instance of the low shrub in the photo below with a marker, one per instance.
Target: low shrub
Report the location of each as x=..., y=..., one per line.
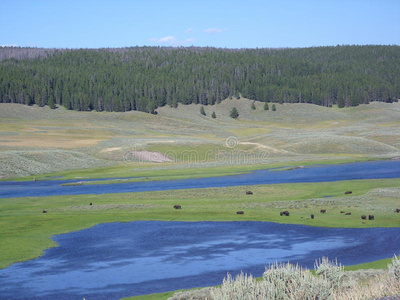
x=292, y=282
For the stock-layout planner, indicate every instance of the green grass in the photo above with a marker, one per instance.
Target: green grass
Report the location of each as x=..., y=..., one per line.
x=161, y=296
x=294, y=135
x=25, y=231
x=296, y=132
x=148, y=172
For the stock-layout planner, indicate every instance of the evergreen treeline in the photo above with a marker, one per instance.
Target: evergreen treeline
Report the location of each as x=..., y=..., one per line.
x=144, y=78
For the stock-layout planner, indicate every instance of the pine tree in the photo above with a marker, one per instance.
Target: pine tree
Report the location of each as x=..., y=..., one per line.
x=234, y=113
x=151, y=107
x=213, y=115
x=253, y=106
x=266, y=107
x=273, y=107
x=202, y=111
x=50, y=102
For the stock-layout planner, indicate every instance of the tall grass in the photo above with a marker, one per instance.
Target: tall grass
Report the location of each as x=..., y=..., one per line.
x=292, y=282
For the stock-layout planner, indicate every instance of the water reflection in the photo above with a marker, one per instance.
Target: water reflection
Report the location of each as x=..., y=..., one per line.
x=316, y=173
x=111, y=261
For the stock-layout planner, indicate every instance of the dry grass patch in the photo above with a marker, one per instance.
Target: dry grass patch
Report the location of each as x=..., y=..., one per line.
x=50, y=141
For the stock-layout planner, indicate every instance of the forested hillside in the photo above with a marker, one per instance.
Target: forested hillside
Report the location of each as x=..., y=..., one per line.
x=144, y=78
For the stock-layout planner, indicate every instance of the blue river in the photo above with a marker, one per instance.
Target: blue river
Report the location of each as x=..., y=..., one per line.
x=116, y=260
x=315, y=173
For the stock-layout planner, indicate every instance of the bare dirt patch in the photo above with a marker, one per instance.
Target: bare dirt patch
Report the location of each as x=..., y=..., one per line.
x=150, y=156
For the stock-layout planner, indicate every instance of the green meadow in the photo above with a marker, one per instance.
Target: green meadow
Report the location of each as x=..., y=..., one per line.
x=25, y=231
x=37, y=143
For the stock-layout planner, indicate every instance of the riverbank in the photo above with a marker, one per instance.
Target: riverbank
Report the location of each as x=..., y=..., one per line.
x=312, y=173
x=26, y=232
x=190, y=254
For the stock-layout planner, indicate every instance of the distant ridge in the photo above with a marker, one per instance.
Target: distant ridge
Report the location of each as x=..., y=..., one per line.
x=144, y=78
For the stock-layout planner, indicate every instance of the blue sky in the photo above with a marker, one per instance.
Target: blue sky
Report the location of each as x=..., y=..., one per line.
x=230, y=24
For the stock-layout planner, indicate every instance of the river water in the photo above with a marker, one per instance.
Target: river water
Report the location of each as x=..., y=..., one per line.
x=115, y=260
x=314, y=173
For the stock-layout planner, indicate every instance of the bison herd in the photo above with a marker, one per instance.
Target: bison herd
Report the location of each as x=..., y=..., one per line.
x=285, y=212
x=363, y=217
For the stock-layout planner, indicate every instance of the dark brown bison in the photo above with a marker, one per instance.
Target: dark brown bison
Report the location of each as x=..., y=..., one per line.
x=348, y=192
x=44, y=211
x=177, y=206
x=90, y=203
x=364, y=217
x=240, y=212
x=323, y=211
x=347, y=214
x=371, y=217
x=249, y=193
x=285, y=213
x=397, y=210
x=312, y=216
x=342, y=212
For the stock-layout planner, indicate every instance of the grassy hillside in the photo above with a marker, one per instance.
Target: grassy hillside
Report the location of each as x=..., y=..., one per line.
x=36, y=140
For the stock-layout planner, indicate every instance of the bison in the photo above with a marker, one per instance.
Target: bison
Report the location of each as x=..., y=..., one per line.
x=249, y=193
x=285, y=213
x=347, y=214
x=177, y=206
x=397, y=210
x=371, y=217
x=348, y=192
x=90, y=203
x=312, y=216
x=342, y=212
x=240, y=212
x=323, y=211
x=364, y=217
x=44, y=211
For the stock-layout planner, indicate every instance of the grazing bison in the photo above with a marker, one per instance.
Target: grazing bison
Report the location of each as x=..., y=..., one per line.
x=44, y=211
x=240, y=212
x=285, y=213
x=371, y=217
x=347, y=214
x=348, y=192
x=364, y=217
x=397, y=210
x=90, y=203
x=342, y=212
x=312, y=216
x=249, y=193
x=323, y=211
x=177, y=206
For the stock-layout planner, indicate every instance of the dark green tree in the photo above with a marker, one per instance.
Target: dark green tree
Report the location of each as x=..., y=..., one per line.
x=253, y=106
x=202, y=111
x=266, y=106
x=50, y=102
x=213, y=115
x=151, y=107
x=143, y=78
x=273, y=107
x=234, y=113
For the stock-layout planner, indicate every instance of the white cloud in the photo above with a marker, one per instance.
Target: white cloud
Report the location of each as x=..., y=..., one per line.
x=189, y=30
x=167, y=39
x=214, y=30
x=189, y=40
x=173, y=41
